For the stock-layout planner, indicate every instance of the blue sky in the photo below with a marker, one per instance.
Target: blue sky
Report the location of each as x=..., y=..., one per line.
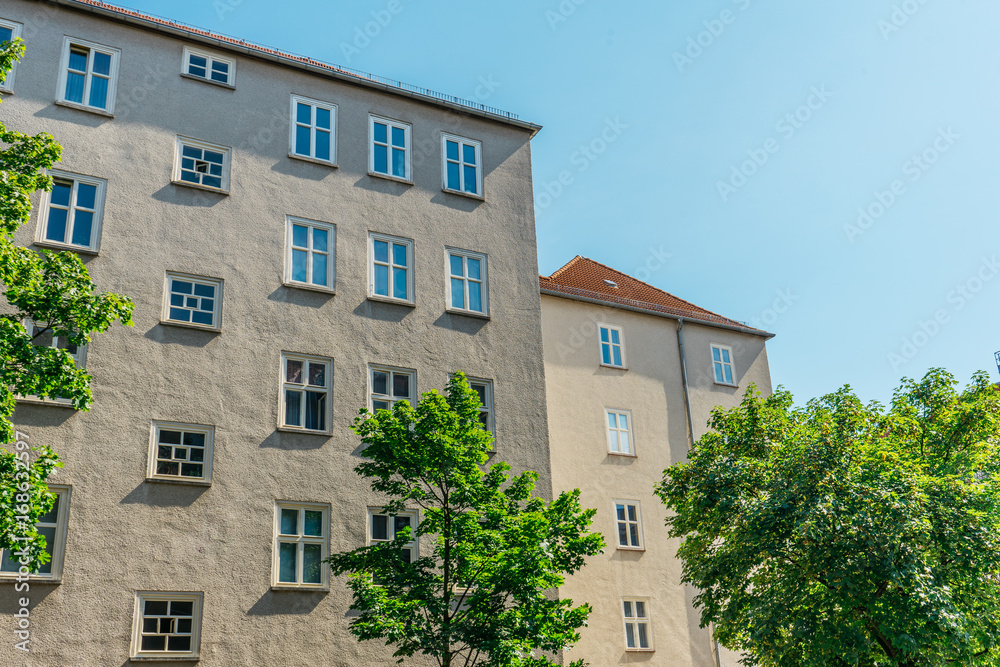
x=746, y=137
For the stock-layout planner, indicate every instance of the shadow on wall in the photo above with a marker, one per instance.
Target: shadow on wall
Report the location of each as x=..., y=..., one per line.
x=158, y=494
x=278, y=603
x=294, y=441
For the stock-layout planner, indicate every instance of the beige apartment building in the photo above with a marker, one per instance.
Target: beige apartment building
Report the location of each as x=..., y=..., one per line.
x=632, y=374
x=300, y=242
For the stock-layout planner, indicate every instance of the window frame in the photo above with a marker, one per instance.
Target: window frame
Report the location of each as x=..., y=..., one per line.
x=635, y=620
x=301, y=540
x=218, y=283
x=7, y=84
x=211, y=57
x=208, y=431
x=54, y=576
x=282, y=382
x=386, y=238
x=175, y=176
x=630, y=430
x=449, y=252
x=408, y=148
x=414, y=515
x=723, y=364
x=462, y=141
x=392, y=370
x=115, y=55
x=489, y=408
x=80, y=358
x=638, y=523
x=293, y=124
x=45, y=204
x=136, y=653
x=331, y=267
x=621, y=345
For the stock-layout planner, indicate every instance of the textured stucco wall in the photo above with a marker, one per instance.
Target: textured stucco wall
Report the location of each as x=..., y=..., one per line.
x=579, y=390
x=126, y=534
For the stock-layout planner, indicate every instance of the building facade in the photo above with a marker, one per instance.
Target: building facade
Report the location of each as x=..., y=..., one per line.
x=300, y=242
x=632, y=374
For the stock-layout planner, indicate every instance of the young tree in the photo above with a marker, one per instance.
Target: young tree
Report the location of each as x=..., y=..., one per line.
x=482, y=596
x=846, y=534
x=54, y=291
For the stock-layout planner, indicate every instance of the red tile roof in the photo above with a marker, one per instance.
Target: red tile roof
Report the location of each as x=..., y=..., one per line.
x=586, y=278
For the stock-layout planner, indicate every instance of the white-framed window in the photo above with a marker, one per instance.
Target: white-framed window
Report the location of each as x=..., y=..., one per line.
x=638, y=635
x=306, y=387
x=52, y=525
x=390, y=268
x=620, y=432
x=301, y=542
x=385, y=528
x=628, y=520
x=43, y=336
x=467, y=284
x=485, y=390
x=313, y=130
x=167, y=625
x=612, y=346
x=202, y=165
x=310, y=255
x=389, y=385
x=462, y=168
x=194, y=301
x=722, y=364
x=88, y=75
x=209, y=66
x=70, y=215
x=390, y=148
x=181, y=452
x=9, y=31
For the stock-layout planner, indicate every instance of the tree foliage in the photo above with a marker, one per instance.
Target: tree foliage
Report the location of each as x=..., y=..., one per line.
x=482, y=596
x=53, y=290
x=848, y=534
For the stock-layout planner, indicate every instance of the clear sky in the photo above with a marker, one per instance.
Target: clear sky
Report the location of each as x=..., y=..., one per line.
x=722, y=150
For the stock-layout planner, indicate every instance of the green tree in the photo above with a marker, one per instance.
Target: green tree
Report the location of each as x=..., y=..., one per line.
x=482, y=596
x=848, y=534
x=53, y=290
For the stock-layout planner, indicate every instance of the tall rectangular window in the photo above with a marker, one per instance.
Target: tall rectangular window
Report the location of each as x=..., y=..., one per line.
x=167, y=625
x=391, y=268
x=310, y=254
x=181, y=452
x=637, y=633
x=70, y=214
x=620, y=432
x=389, y=385
x=722, y=364
x=201, y=164
x=385, y=528
x=42, y=335
x=629, y=523
x=463, y=170
x=313, y=130
x=52, y=525
x=305, y=392
x=88, y=75
x=301, y=542
x=484, y=388
x=390, y=148
x=467, y=281
x=194, y=301
x=612, y=346
x=9, y=30
x=210, y=67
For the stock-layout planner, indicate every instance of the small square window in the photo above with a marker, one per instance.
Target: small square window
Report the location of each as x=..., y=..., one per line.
x=612, y=346
x=619, y=424
x=201, y=165
x=88, y=75
x=467, y=285
x=638, y=635
x=70, y=215
x=722, y=365
x=389, y=385
x=310, y=254
x=384, y=528
x=53, y=526
x=306, y=384
x=210, y=67
x=181, y=452
x=301, y=543
x=390, y=148
x=390, y=268
x=194, y=301
x=167, y=625
x=43, y=336
x=629, y=524
x=462, y=165
x=313, y=130
x=9, y=31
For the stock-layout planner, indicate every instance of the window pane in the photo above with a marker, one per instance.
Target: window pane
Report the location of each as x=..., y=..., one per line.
x=605, y=336
x=102, y=63
x=630, y=635
x=643, y=639
x=289, y=521
x=86, y=195
x=615, y=337
x=154, y=643
x=381, y=135
x=620, y=510
x=56, y=227
x=52, y=515
x=640, y=609
x=618, y=356
x=399, y=283
x=184, y=625
x=381, y=159
x=194, y=439
x=729, y=374
x=303, y=137
x=303, y=113
x=316, y=410
x=299, y=265
x=606, y=354
x=622, y=538
x=78, y=59
x=456, y=265
x=399, y=524
x=178, y=643
x=155, y=608
x=470, y=179
x=317, y=374
x=322, y=145
x=628, y=609
x=398, y=137
x=476, y=297
x=454, y=182
x=715, y=354
x=398, y=163
x=380, y=527
x=381, y=251
x=381, y=280
x=457, y=293
x=473, y=268
x=718, y=372
x=313, y=523
x=634, y=532
x=311, y=555
x=725, y=356
x=469, y=154
x=380, y=382
x=98, y=92
x=293, y=371
x=401, y=385
x=83, y=222
x=319, y=240
x=293, y=408
x=398, y=254
x=319, y=270
x=300, y=236
x=631, y=513
x=323, y=118
x=287, y=556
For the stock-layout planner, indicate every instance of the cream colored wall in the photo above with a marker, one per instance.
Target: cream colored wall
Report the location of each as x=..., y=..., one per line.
x=578, y=390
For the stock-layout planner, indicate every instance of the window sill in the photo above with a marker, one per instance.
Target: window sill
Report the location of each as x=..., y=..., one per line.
x=164, y=658
x=640, y=650
x=66, y=246
x=389, y=177
x=314, y=160
x=52, y=402
x=623, y=455
x=389, y=299
x=727, y=384
x=186, y=325
x=462, y=193
x=468, y=313
x=34, y=580
x=621, y=548
x=180, y=480
x=196, y=186
x=617, y=368
x=6, y=91
x=304, y=431
x=84, y=107
x=301, y=589
x=311, y=288
x=201, y=79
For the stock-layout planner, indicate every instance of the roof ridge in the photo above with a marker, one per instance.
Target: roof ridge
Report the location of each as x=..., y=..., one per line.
x=564, y=267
